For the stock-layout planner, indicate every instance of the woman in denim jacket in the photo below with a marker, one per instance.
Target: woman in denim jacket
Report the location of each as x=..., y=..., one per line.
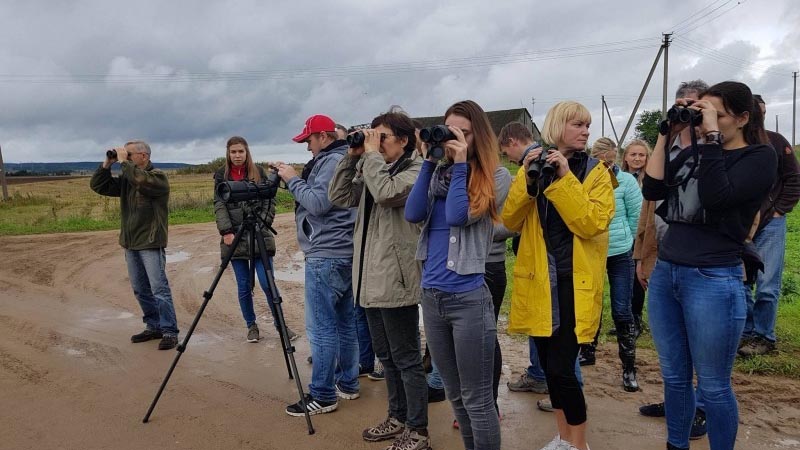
x=456, y=204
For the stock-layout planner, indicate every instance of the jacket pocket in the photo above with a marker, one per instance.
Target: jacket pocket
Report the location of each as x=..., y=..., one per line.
x=582, y=282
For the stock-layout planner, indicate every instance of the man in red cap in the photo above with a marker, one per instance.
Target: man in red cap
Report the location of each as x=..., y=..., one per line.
x=325, y=235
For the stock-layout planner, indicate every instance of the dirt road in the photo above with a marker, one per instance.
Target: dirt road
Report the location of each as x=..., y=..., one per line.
x=71, y=379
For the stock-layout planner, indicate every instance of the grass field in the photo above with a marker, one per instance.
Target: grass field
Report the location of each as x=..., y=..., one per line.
x=69, y=205
x=786, y=362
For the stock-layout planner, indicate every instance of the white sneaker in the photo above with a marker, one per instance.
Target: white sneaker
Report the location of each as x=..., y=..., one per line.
x=567, y=446
x=555, y=444
x=346, y=395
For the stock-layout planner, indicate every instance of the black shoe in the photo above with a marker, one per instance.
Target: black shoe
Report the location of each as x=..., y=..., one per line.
x=653, y=410
x=168, y=342
x=435, y=395
x=672, y=447
x=363, y=371
x=314, y=407
x=146, y=335
x=586, y=357
x=698, y=425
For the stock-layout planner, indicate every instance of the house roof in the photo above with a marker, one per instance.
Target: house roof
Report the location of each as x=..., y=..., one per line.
x=498, y=119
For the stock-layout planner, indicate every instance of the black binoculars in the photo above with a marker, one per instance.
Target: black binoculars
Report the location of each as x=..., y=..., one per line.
x=111, y=154
x=539, y=166
x=356, y=139
x=434, y=136
x=682, y=114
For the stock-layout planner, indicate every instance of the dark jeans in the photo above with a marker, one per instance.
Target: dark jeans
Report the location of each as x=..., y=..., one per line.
x=637, y=301
x=557, y=354
x=696, y=316
x=496, y=281
x=395, y=338
x=366, y=355
x=621, y=272
x=461, y=334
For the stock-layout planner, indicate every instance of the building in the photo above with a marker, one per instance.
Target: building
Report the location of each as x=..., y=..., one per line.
x=498, y=119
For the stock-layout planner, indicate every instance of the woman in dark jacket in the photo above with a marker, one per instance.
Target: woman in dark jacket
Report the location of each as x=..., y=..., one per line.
x=239, y=166
x=697, y=304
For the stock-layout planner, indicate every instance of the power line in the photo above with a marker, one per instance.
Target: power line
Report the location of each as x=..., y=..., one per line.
x=694, y=14
x=697, y=19
x=723, y=60
x=699, y=24
x=326, y=72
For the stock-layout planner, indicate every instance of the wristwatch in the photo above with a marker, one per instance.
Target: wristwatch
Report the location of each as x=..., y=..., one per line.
x=714, y=137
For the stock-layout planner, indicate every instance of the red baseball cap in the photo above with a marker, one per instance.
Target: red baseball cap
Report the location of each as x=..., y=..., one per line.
x=315, y=124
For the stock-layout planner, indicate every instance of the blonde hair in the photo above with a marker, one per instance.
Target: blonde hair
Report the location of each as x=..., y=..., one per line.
x=647, y=150
x=603, y=146
x=556, y=120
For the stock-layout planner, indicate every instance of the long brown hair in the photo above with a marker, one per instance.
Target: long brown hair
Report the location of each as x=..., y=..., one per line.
x=251, y=172
x=482, y=158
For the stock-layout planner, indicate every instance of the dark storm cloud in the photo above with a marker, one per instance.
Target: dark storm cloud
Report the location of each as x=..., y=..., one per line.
x=119, y=51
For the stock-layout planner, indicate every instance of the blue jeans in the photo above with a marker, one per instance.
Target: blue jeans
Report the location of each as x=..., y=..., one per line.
x=535, y=370
x=461, y=333
x=621, y=269
x=146, y=269
x=330, y=326
x=366, y=357
x=696, y=317
x=241, y=269
x=763, y=310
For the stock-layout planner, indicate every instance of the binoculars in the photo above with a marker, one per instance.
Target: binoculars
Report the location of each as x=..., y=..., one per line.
x=539, y=166
x=356, y=139
x=435, y=136
x=682, y=114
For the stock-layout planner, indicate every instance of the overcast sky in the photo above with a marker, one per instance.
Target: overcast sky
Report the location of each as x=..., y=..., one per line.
x=79, y=77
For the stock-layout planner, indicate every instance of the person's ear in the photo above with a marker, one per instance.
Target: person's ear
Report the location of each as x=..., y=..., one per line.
x=742, y=120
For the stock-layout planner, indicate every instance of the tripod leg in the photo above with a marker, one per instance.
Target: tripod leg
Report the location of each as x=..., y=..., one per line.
x=206, y=297
x=288, y=348
x=273, y=292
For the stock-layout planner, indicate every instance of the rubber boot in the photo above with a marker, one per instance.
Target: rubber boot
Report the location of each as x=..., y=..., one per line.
x=626, y=339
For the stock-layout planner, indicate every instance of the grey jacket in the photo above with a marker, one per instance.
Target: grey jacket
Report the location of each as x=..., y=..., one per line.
x=388, y=276
x=497, y=252
x=469, y=244
x=323, y=230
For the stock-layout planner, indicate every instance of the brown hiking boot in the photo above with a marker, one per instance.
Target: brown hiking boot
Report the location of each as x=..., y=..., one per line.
x=388, y=429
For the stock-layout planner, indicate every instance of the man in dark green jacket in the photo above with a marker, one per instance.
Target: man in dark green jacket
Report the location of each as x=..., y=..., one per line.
x=143, y=193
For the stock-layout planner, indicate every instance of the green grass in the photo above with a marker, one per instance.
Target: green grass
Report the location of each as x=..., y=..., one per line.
x=786, y=362
x=70, y=206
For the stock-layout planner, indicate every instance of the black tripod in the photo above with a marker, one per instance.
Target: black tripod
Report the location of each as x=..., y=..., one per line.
x=253, y=223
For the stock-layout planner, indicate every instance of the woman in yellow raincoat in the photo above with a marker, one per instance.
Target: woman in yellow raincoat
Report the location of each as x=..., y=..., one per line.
x=561, y=204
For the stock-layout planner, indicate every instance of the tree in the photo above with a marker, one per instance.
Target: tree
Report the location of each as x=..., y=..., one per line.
x=647, y=126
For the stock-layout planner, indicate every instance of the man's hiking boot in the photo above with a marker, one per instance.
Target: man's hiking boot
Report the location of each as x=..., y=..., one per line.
x=146, y=335
x=388, y=429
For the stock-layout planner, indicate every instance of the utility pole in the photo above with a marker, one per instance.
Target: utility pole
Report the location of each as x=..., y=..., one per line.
x=3, y=176
x=794, y=108
x=603, y=115
x=641, y=94
x=614, y=130
x=776, y=124
x=666, y=71
x=533, y=106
